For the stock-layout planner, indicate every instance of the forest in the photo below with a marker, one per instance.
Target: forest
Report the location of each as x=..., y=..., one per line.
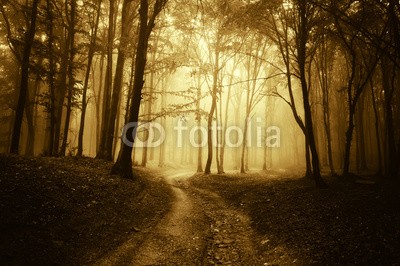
x=230, y=90
x=312, y=79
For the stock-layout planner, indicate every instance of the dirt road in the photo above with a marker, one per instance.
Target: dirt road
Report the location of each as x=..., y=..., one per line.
x=200, y=229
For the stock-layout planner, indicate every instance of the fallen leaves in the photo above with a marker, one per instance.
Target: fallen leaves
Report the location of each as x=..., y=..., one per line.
x=69, y=210
x=350, y=223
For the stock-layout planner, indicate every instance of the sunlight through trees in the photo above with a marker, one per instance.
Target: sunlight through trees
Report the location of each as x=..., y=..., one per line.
x=74, y=73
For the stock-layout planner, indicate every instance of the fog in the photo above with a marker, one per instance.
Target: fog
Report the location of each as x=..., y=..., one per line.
x=239, y=83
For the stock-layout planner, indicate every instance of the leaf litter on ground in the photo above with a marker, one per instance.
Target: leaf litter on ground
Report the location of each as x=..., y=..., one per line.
x=296, y=223
x=70, y=211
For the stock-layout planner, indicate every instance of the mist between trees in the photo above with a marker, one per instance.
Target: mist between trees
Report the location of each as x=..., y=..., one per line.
x=196, y=135
x=74, y=72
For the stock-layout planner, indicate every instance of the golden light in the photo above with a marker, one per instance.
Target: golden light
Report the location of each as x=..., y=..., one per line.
x=287, y=4
x=43, y=37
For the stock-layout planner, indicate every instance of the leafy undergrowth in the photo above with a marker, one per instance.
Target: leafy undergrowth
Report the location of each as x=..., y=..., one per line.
x=70, y=211
x=295, y=223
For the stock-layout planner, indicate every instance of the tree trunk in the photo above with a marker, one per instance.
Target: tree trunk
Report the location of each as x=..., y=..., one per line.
x=51, y=77
x=29, y=113
x=102, y=153
x=362, y=160
x=220, y=137
x=127, y=105
x=99, y=101
x=378, y=136
x=243, y=164
x=242, y=158
x=265, y=166
x=308, y=157
x=323, y=66
x=161, y=162
x=349, y=136
x=199, y=133
x=123, y=165
x=24, y=83
x=351, y=107
x=147, y=123
x=302, y=41
x=353, y=100
x=224, y=126
x=207, y=169
x=116, y=92
x=327, y=126
x=71, y=78
x=67, y=121
x=284, y=50
x=86, y=82
x=391, y=142
x=149, y=106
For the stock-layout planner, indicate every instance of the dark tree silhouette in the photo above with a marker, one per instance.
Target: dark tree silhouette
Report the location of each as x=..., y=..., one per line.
x=123, y=165
x=92, y=47
x=24, y=83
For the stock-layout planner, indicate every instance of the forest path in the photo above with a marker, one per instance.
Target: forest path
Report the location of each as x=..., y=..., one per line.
x=181, y=236
x=200, y=229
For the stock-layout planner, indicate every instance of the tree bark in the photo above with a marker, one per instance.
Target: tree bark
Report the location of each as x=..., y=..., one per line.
x=207, y=169
x=224, y=127
x=29, y=113
x=123, y=165
x=301, y=49
x=70, y=73
x=161, y=162
x=390, y=137
x=24, y=83
x=51, y=77
x=362, y=159
x=323, y=61
x=199, y=133
x=102, y=153
x=116, y=92
x=283, y=45
x=242, y=158
x=87, y=76
x=377, y=131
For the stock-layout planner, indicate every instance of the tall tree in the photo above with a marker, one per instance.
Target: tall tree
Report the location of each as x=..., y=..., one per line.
x=304, y=27
x=324, y=59
x=71, y=18
x=256, y=51
x=147, y=17
x=277, y=22
x=51, y=75
x=24, y=83
x=102, y=153
x=92, y=49
x=359, y=71
x=220, y=40
x=118, y=78
x=214, y=92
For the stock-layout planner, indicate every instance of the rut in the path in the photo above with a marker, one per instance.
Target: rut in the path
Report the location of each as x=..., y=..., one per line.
x=231, y=235
x=200, y=229
x=180, y=238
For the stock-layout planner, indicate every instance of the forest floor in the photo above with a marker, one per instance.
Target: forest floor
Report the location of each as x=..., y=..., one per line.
x=69, y=211
x=354, y=221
